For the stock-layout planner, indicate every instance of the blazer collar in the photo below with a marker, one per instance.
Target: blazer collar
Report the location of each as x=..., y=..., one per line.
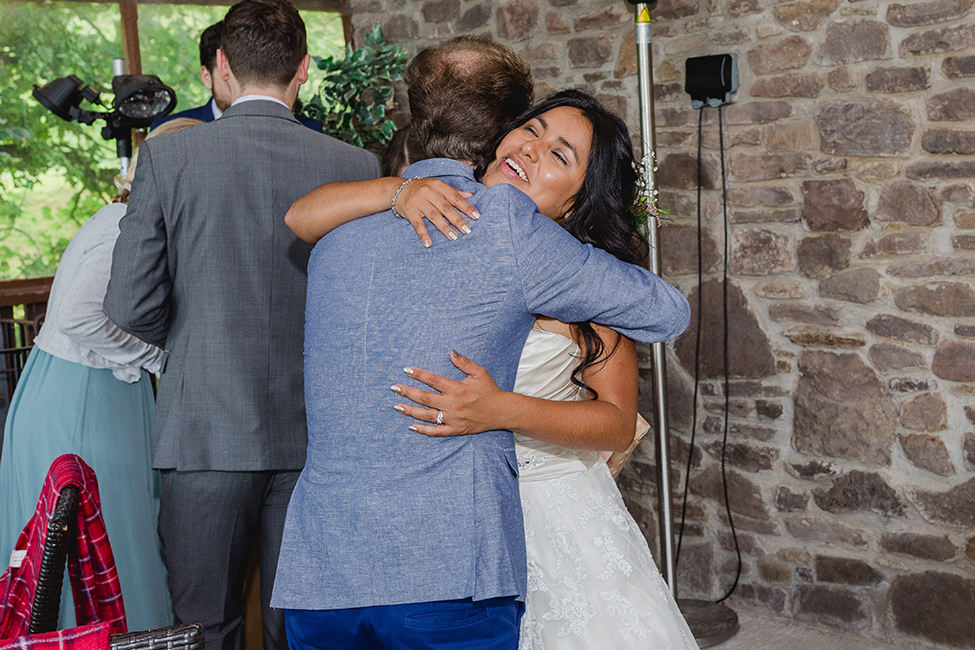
x=260, y=108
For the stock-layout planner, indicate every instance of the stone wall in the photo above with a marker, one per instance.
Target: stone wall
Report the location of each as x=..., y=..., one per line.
x=850, y=161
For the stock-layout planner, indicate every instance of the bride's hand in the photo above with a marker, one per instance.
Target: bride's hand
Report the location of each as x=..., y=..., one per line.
x=437, y=202
x=468, y=406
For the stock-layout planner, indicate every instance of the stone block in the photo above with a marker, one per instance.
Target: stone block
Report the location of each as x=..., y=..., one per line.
x=788, y=501
x=766, y=410
x=819, y=255
x=970, y=550
x=924, y=413
x=517, y=19
x=750, y=197
x=830, y=605
x=807, y=314
x=679, y=170
x=909, y=385
x=760, y=252
x=824, y=530
x=793, y=84
x=910, y=203
x=958, y=66
x=804, y=16
x=794, y=136
x=696, y=569
x=780, y=290
x=865, y=127
x=813, y=469
x=928, y=452
x=816, y=338
x=841, y=79
x=886, y=357
x=678, y=245
x=746, y=167
x=953, y=105
x=401, y=28
x=590, y=52
x=850, y=42
x=926, y=13
x=845, y=571
x=953, y=506
x=756, y=113
x=744, y=456
x=788, y=53
x=859, y=491
x=789, y=215
x=833, y=205
x=441, y=11
x=902, y=329
x=963, y=242
x=954, y=361
x=926, y=547
x=959, y=193
x=474, y=18
x=897, y=80
x=955, y=299
x=940, y=169
x=773, y=570
x=902, y=242
x=968, y=449
x=745, y=496
x=555, y=24
x=772, y=597
x=610, y=16
x=948, y=141
x=944, y=39
x=676, y=8
x=936, y=606
x=857, y=285
x=842, y=410
x=747, y=544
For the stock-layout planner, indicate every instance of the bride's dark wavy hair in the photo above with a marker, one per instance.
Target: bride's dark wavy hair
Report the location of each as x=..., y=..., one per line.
x=601, y=213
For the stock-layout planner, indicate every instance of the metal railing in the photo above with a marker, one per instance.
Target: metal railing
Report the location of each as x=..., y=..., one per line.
x=17, y=330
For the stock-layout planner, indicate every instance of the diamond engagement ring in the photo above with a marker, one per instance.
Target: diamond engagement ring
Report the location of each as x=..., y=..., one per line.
x=439, y=418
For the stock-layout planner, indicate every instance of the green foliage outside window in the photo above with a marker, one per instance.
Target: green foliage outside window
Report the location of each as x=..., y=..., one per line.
x=355, y=90
x=54, y=174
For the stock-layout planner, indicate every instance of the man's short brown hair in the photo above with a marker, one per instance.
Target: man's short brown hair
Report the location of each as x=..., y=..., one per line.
x=264, y=41
x=462, y=93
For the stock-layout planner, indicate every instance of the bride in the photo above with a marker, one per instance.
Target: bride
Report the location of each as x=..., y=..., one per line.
x=592, y=582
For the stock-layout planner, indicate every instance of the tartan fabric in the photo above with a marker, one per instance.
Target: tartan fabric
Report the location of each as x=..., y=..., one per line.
x=87, y=637
x=91, y=566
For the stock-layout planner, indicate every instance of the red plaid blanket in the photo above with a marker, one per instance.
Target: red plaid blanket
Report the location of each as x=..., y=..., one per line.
x=94, y=580
x=89, y=637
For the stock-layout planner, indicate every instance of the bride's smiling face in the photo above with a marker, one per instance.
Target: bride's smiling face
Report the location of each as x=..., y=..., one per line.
x=546, y=158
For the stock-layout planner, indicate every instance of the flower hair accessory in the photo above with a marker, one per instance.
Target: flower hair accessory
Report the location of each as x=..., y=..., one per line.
x=645, y=205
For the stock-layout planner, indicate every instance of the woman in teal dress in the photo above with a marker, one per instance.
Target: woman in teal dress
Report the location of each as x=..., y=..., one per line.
x=85, y=390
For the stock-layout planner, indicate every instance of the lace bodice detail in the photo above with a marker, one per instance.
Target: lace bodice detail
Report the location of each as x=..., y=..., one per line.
x=545, y=371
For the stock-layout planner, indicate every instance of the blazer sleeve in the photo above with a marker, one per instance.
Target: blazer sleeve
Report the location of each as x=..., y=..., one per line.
x=138, y=295
x=574, y=282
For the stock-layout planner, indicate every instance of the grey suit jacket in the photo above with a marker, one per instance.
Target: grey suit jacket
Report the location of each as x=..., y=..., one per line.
x=382, y=515
x=205, y=267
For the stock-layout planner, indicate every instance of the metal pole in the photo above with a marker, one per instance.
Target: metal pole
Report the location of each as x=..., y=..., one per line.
x=645, y=65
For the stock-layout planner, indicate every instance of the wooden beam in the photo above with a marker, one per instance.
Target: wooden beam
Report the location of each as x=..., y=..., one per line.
x=129, y=10
x=305, y=5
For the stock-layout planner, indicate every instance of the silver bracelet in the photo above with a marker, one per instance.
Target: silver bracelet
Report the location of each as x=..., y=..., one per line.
x=396, y=196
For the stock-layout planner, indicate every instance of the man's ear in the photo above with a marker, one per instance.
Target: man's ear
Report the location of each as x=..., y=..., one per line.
x=223, y=66
x=302, y=74
x=206, y=78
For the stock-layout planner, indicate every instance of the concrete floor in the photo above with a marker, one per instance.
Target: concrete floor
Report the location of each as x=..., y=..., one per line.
x=761, y=629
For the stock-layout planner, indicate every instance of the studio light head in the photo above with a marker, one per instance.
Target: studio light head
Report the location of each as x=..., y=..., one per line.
x=139, y=99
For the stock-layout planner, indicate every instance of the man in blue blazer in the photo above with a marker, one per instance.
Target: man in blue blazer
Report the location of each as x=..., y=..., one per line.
x=221, y=96
x=397, y=540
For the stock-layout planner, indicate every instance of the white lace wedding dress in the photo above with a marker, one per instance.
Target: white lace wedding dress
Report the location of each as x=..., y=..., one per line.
x=592, y=583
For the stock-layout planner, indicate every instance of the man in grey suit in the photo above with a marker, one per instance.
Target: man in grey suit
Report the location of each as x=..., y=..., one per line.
x=397, y=540
x=205, y=267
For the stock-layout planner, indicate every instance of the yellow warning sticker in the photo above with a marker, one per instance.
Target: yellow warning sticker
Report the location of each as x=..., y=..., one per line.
x=644, y=16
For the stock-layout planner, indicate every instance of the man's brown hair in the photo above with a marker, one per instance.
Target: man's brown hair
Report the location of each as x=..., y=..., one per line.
x=264, y=41
x=462, y=93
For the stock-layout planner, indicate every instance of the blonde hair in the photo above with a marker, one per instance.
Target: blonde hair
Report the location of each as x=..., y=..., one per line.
x=124, y=183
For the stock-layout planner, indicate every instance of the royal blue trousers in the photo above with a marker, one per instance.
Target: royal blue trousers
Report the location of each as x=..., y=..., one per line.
x=444, y=625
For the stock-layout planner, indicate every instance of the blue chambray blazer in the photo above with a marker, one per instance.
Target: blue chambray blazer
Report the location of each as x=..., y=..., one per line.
x=382, y=515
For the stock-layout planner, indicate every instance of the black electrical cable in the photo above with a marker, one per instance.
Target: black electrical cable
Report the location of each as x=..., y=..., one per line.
x=697, y=342
x=727, y=396
x=697, y=349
